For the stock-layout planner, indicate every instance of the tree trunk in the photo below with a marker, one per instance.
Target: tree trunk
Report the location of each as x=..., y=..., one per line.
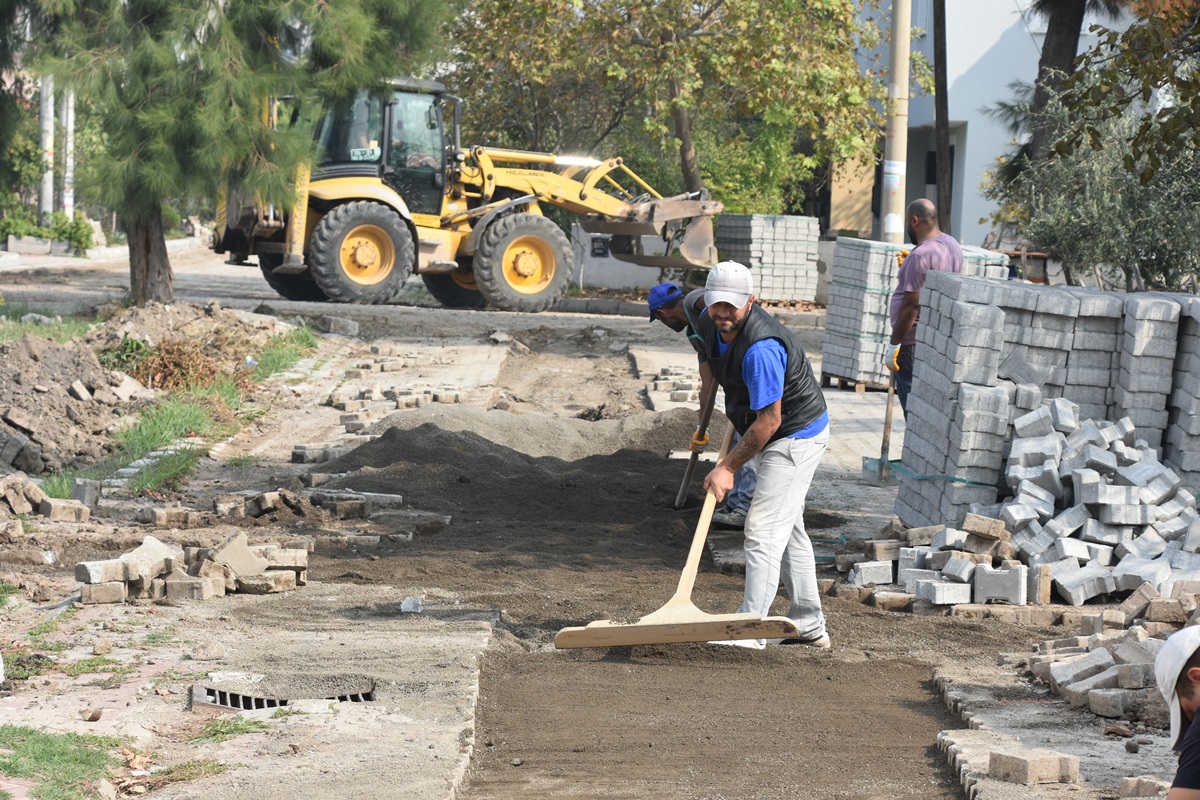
x=687, y=150
x=1058, y=56
x=150, y=278
x=941, y=115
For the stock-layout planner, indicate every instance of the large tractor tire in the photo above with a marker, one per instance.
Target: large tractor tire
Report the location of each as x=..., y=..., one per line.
x=455, y=289
x=523, y=263
x=290, y=287
x=361, y=253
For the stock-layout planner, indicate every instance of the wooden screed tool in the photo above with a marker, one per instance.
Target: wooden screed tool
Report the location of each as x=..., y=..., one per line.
x=679, y=620
x=681, y=498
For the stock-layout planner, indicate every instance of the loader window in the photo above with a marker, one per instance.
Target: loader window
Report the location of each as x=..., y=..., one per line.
x=416, y=152
x=352, y=132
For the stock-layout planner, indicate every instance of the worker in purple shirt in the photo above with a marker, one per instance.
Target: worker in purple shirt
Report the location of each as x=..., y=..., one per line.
x=775, y=403
x=933, y=250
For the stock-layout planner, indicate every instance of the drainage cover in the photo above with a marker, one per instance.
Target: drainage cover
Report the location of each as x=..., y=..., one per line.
x=217, y=697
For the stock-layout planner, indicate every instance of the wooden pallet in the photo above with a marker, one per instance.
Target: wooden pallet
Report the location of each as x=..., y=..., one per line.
x=848, y=383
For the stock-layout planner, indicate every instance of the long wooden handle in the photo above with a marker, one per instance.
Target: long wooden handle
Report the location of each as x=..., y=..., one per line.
x=687, y=580
x=887, y=429
x=705, y=416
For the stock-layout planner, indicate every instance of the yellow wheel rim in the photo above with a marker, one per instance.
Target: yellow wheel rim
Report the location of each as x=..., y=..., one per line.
x=464, y=279
x=529, y=264
x=367, y=255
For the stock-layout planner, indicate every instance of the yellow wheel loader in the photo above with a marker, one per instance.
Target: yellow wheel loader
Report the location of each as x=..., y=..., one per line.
x=392, y=195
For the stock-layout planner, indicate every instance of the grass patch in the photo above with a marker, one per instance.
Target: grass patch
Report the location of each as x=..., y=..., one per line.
x=91, y=666
x=60, y=763
x=161, y=424
x=22, y=667
x=168, y=472
x=220, y=730
x=243, y=462
x=39, y=632
x=283, y=712
x=187, y=771
x=159, y=637
x=64, y=331
x=284, y=351
x=7, y=591
x=60, y=485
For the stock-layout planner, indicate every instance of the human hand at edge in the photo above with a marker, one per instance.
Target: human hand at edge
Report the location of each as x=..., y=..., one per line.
x=891, y=357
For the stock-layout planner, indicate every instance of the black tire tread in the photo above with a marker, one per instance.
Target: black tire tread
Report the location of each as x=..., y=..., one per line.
x=324, y=260
x=489, y=274
x=299, y=288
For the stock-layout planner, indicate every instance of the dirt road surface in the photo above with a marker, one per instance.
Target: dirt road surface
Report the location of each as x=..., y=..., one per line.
x=555, y=474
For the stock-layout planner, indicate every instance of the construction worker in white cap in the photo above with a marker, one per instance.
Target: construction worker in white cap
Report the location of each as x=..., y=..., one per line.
x=774, y=402
x=1177, y=672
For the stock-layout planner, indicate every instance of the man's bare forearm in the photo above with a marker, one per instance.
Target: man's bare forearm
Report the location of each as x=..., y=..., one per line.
x=755, y=438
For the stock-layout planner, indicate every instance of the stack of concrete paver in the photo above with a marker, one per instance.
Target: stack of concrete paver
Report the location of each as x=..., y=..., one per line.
x=156, y=570
x=780, y=250
x=989, y=352
x=1181, y=444
x=857, y=328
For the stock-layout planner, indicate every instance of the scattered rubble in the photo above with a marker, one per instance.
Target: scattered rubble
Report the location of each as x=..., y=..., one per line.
x=159, y=571
x=21, y=496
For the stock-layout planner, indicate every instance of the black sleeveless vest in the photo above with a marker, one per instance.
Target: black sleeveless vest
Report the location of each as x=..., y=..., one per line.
x=802, y=399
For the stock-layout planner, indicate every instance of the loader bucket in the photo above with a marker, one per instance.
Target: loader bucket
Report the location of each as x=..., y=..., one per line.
x=677, y=244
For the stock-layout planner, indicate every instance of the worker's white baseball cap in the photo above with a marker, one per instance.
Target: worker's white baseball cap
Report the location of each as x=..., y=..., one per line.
x=728, y=282
x=1170, y=661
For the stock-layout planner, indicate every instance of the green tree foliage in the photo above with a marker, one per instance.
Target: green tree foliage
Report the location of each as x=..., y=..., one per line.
x=1089, y=208
x=179, y=90
x=602, y=74
x=1152, y=70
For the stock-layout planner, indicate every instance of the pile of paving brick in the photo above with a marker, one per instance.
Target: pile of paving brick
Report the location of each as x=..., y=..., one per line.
x=780, y=250
x=156, y=571
x=21, y=496
x=858, y=328
x=990, y=353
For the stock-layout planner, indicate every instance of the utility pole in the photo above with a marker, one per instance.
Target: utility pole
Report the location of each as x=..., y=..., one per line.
x=941, y=124
x=46, y=110
x=895, y=151
x=67, y=113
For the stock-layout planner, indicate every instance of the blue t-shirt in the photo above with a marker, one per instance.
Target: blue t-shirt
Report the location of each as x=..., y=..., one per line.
x=763, y=368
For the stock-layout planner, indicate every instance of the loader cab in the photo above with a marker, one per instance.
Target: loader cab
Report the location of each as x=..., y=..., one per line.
x=398, y=138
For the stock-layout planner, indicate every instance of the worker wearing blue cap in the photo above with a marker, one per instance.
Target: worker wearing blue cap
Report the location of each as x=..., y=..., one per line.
x=681, y=313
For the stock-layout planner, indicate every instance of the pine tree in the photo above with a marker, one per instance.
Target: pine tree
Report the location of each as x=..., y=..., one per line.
x=181, y=88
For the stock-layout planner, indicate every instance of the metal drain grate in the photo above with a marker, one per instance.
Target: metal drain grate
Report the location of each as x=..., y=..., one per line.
x=209, y=696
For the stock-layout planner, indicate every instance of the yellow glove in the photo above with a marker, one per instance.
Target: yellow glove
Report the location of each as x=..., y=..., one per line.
x=699, y=441
x=900, y=256
x=891, y=357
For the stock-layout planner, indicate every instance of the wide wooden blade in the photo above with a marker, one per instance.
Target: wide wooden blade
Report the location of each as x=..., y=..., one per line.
x=700, y=627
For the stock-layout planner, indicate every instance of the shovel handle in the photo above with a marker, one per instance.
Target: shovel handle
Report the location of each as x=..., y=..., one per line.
x=705, y=417
x=687, y=580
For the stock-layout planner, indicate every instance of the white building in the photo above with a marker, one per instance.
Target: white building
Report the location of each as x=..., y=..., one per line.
x=989, y=45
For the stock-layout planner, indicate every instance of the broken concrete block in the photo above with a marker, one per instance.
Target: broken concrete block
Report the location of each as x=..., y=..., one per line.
x=152, y=558
x=286, y=558
x=1135, y=676
x=923, y=536
x=234, y=552
x=1064, y=674
x=1028, y=767
x=941, y=593
x=1135, y=605
x=169, y=517
x=336, y=325
x=883, y=549
x=1165, y=609
x=1079, y=586
x=97, y=593
x=1076, y=693
x=181, y=586
x=892, y=601
x=20, y=418
x=268, y=582
x=985, y=527
x=1116, y=702
x=16, y=500
x=213, y=570
x=948, y=539
x=958, y=570
x=870, y=572
x=64, y=510
x=79, y=391
x=1072, y=548
x=87, y=492
x=1143, y=786
x=263, y=504
x=1009, y=585
x=110, y=571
